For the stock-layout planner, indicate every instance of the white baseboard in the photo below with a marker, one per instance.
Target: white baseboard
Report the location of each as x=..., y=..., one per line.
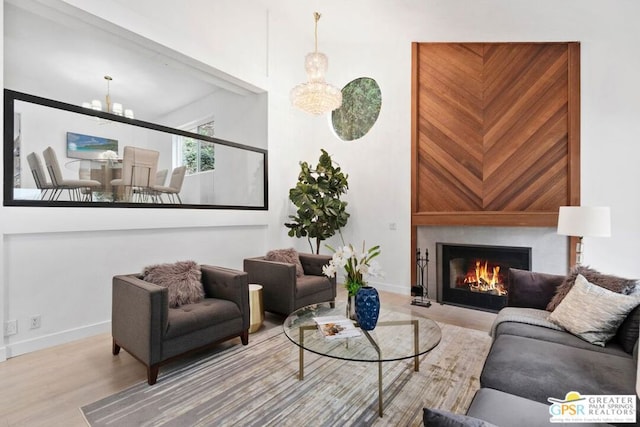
x=396, y=289
x=3, y=354
x=46, y=341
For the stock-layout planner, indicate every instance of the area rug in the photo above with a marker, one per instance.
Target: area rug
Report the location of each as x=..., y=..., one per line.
x=257, y=385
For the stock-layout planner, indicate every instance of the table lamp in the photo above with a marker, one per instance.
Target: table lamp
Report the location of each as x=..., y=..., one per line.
x=581, y=221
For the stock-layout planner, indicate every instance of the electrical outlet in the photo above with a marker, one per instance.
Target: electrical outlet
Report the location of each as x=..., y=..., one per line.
x=10, y=328
x=392, y=226
x=34, y=322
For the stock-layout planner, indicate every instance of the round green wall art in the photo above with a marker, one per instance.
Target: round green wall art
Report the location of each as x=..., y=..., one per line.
x=361, y=102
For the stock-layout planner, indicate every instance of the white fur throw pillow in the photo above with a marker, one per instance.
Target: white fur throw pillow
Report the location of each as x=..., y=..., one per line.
x=181, y=278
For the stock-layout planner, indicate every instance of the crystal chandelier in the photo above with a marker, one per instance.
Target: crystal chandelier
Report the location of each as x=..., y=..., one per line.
x=316, y=96
x=115, y=107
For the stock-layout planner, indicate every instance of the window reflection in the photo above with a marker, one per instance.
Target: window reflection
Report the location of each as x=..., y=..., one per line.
x=196, y=155
x=60, y=154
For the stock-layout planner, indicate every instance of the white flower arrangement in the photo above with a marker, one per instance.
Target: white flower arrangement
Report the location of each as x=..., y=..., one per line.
x=109, y=155
x=359, y=266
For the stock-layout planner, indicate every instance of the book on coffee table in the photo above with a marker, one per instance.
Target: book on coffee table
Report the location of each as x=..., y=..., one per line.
x=333, y=327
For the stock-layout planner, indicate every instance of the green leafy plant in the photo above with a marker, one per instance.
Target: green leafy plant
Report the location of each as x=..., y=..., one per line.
x=320, y=212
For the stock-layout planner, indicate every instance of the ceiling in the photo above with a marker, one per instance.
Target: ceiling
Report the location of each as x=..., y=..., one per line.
x=50, y=53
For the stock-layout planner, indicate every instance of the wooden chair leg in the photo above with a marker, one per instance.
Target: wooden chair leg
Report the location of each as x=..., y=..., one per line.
x=244, y=337
x=116, y=348
x=152, y=373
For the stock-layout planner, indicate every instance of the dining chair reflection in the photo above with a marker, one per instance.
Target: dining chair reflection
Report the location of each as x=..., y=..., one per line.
x=139, y=167
x=79, y=189
x=172, y=191
x=40, y=177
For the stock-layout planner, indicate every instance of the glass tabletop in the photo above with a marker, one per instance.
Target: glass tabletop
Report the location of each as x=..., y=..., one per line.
x=397, y=335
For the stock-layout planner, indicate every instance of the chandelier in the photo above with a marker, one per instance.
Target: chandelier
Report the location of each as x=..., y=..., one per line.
x=114, y=108
x=316, y=96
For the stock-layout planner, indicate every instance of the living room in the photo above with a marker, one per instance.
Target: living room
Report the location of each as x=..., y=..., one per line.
x=58, y=262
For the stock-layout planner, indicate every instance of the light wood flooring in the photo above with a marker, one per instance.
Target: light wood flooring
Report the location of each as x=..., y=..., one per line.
x=47, y=387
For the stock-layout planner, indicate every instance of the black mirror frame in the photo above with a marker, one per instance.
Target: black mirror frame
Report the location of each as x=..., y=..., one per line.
x=11, y=96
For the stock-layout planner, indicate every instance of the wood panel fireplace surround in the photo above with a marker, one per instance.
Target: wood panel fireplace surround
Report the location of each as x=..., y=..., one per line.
x=495, y=134
x=476, y=275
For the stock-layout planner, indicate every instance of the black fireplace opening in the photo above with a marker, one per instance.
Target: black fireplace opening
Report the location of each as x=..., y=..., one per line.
x=476, y=275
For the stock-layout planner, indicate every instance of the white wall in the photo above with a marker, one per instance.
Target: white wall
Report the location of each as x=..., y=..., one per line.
x=365, y=38
x=362, y=38
x=69, y=273
x=237, y=118
x=58, y=263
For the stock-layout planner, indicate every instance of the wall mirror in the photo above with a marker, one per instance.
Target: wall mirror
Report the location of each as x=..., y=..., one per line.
x=195, y=117
x=58, y=154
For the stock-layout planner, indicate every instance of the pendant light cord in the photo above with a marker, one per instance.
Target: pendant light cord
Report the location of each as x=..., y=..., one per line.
x=317, y=16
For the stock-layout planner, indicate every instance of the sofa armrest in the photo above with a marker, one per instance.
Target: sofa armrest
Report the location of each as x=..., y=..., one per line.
x=278, y=282
x=531, y=290
x=228, y=284
x=312, y=264
x=139, y=316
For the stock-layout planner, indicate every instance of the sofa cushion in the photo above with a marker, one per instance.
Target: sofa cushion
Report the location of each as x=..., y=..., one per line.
x=530, y=289
x=309, y=285
x=537, y=370
x=505, y=409
x=560, y=337
x=612, y=283
x=440, y=418
x=289, y=256
x=192, y=317
x=182, y=279
x=591, y=312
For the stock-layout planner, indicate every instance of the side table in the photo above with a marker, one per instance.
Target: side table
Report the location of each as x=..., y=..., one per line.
x=256, y=310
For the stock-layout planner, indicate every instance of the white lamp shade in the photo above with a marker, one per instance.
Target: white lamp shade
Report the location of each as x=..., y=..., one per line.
x=584, y=221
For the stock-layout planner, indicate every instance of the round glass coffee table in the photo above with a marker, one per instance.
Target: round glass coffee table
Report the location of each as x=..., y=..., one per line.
x=397, y=336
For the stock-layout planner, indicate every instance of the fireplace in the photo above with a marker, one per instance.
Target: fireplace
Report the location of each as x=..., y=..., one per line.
x=476, y=275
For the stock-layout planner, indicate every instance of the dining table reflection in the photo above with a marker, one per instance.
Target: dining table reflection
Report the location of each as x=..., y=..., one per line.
x=103, y=171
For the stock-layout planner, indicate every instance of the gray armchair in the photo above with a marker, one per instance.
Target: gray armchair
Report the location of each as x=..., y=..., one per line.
x=282, y=291
x=143, y=324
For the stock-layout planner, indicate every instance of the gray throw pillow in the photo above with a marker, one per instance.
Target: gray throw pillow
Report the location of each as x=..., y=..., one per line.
x=440, y=418
x=627, y=334
x=182, y=279
x=591, y=312
x=530, y=289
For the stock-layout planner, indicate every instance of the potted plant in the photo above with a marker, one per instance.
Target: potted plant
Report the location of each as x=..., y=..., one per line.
x=320, y=211
x=358, y=267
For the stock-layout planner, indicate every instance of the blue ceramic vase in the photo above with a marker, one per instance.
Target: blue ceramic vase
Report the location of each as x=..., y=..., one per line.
x=367, y=307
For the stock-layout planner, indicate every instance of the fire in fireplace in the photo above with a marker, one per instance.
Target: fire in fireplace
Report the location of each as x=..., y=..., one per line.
x=475, y=275
x=483, y=278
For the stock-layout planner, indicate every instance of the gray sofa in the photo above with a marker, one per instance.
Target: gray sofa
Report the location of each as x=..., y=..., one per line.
x=529, y=363
x=145, y=326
